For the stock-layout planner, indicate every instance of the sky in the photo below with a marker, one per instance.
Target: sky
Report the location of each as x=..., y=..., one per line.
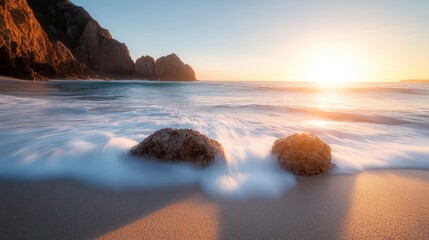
x=277, y=40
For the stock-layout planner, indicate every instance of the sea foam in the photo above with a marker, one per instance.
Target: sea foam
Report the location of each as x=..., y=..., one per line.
x=84, y=130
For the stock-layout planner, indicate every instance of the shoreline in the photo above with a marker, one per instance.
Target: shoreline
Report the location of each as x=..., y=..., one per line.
x=374, y=204
x=8, y=78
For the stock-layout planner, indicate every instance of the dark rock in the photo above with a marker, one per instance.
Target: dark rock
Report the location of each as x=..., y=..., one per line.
x=25, y=50
x=43, y=39
x=303, y=154
x=102, y=54
x=88, y=41
x=179, y=145
x=172, y=68
x=145, y=68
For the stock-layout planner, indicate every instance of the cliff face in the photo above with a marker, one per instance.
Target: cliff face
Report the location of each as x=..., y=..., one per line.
x=91, y=44
x=41, y=39
x=25, y=50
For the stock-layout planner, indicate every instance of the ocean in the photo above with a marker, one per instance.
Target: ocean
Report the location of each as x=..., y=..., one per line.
x=82, y=130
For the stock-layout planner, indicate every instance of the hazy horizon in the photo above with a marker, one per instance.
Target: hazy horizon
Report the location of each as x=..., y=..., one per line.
x=277, y=40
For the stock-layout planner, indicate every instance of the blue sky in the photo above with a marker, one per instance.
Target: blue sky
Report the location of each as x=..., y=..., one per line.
x=273, y=39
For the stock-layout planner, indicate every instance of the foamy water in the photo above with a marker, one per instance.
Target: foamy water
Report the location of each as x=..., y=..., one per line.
x=83, y=130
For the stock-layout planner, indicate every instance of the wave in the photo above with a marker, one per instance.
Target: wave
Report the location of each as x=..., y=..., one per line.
x=307, y=89
x=414, y=119
x=62, y=135
x=108, y=165
x=102, y=159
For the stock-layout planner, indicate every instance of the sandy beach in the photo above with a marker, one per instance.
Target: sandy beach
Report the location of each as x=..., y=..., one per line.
x=389, y=204
x=7, y=78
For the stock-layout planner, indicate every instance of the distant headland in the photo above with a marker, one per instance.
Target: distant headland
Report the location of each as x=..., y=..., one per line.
x=55, y=39
x=415, y=81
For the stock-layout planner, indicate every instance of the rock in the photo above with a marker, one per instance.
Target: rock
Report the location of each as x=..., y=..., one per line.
x=26, y=51
x=145, y=68
x=102, y=54
x=179, y=145
x=43, y=39
x=172, y=68
x=88, y=41
x=303, y=154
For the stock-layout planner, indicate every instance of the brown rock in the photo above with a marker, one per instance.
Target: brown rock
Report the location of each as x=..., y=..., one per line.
x=172, y=68
x=43, y=39
x=145, y=68
x=102, y=54
x=89, y=42
x=179, y=145
x=303, y=154
x=25, y=50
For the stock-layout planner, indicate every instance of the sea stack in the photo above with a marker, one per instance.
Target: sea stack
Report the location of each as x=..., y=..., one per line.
x=170, y=67
x=145, y=68
x=179, y=145
x=303, y=154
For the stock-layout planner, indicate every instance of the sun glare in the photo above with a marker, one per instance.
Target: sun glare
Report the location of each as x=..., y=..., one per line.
x=333, y=67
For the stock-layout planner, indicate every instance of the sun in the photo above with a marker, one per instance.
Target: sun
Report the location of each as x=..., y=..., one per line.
x=332, y=67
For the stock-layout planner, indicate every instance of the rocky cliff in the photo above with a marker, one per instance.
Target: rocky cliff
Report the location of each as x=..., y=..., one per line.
x=91, y=44
x=25, y=50
x=42, y=39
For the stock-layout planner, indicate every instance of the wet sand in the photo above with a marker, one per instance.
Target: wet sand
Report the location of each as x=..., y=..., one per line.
x=390, y=204
x=7, y=78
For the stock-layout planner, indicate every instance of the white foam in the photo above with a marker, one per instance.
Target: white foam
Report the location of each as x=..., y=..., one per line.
x=67, y=137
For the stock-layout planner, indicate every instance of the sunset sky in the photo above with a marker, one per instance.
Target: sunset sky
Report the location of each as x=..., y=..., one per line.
x=367, y=40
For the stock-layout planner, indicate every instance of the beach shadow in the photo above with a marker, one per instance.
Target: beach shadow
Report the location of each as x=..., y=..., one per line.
x=63, y=209
x=319, y=207
x=315, y=208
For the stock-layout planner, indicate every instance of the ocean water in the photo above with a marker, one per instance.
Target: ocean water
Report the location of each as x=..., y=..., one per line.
x=82, y=130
